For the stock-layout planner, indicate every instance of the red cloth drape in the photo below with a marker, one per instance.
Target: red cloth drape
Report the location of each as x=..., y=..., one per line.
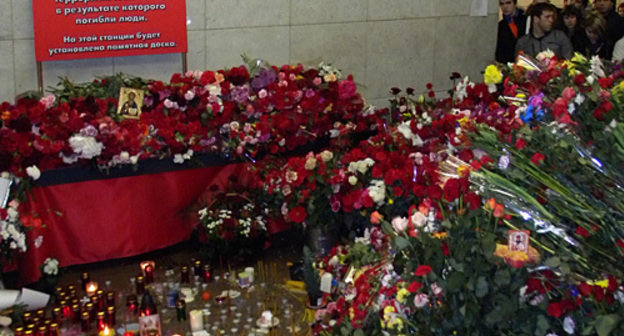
x=116, y=218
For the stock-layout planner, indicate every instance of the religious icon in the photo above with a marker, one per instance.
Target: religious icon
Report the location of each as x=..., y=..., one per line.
x=518, y=240
x=130, y=103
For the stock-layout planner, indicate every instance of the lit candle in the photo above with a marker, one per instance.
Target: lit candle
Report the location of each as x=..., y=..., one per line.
x=107, y=332
x=91, y=288
x=147, y=267
x=196, y=318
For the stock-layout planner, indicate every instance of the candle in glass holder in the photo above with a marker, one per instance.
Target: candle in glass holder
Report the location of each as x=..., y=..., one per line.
x=91, y=288
x=85, y=324
x=110, y=316
x=110, y=298
x=101, y=323
x=107, y=331
x=196, y=319
x=207, y=273
x=147, y=267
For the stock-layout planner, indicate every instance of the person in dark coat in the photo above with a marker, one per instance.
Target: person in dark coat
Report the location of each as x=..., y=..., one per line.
x=615, y=24
x=573, y=27
x=510, y=29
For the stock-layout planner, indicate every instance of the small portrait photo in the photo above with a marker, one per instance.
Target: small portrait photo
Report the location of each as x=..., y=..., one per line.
x=519, y=240
x=130, y=103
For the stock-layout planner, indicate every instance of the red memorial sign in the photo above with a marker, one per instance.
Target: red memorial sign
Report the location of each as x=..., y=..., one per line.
x=74, y=29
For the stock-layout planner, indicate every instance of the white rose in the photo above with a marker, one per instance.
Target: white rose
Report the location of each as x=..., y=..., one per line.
x=400, y=224
x=352, y=167
x=189, y=95
x=362, y=167
x=419, y=219
x=310, y=163
x=326, y=155
x=352, y=180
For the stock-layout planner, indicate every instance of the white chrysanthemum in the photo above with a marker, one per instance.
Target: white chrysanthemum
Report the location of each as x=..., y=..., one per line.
x=85, y=147
x=377, y=191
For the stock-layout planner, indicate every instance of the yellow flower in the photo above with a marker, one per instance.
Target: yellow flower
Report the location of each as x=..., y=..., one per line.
x=601, y=283
x=390, y=201
x=521, y=95
x=330, y=77
x=492, y=75
x=463, y=171
x=440, y=235
x=579, y=58
x=402, y=294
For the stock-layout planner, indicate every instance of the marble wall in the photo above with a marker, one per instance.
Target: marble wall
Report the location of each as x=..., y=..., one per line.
x=383, y=43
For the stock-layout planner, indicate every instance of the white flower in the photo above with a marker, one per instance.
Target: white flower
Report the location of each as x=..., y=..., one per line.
x=352, y=180
x=48, y=101
x=189, y=95
x=418, y=219
x=310, y=163
x=377, y=191
x=568, y=325
x=33, y=172
x=579, y=99
x=405, y=130
x=178, y=159
x=50, y=266
x=400, y=224
x=5, y=175
x=546, y=54
x=503, y=162
x=596, y=67
x=13, y=214
x=437, y=290
x=85, y=147
x=234, y=125
x=202, y=213
x=170, y=104
x=326, y=155
x=421, y=300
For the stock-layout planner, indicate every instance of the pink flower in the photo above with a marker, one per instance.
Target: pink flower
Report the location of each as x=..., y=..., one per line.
x=569, y=93
x=421, y=300
x=400, y=224
x=48, y=101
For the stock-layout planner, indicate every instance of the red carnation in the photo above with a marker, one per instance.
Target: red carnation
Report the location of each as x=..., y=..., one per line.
x=434, y=191
x=537, y=158
x=414, y=287
x=423, y=270
x=555, y=309
x=451, y=190
x=521, y=143
x=473, y=200
x=581, y=231
x=298, y=214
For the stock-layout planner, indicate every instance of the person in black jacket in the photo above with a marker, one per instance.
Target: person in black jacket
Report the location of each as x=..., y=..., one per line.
x=510, y=29
x=572, y=26
x=615, y=24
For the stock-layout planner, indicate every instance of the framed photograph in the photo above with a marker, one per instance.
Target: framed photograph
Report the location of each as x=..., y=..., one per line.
x=130, y=103
x=519, y=240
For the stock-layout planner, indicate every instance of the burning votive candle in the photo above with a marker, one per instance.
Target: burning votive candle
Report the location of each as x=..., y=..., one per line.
x=107, y=332
x=196, y=318
x=147, y=267
x=91, y=288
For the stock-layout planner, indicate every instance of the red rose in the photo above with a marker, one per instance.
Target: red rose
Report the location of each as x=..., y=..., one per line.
x=581, y=231
x=521, y=143
x=580, y=80
x=423, y=270
x=555, y=309
x=585, y=289
x=297, y=214
x=414, y=287
x=537, y=158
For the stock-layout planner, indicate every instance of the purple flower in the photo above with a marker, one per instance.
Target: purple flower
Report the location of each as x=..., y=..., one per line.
x=240, y=94
x=264, y=78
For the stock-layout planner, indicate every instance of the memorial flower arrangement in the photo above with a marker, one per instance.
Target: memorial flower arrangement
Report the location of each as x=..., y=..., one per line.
x=231, y=112
x=12, y=232
x=452, y=269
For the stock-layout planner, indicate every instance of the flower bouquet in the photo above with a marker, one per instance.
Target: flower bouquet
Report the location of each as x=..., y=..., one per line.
x=231, y=225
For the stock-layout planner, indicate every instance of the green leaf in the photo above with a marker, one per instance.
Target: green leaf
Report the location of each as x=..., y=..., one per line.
x=553, y=262
x=542, y=325
x=606, y=323
x=481, y=289
x=502, y=277
x=359, y=332
x=456, y=281
x=401, y=243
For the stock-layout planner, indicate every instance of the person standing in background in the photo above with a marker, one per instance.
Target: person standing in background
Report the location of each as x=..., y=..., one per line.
x=615, y=24
x=572, y=26
x=510, y=29
x=543, y=36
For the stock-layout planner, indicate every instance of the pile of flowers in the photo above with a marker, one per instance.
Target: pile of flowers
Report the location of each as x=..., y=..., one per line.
x=535, y=149
x=234, y=112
